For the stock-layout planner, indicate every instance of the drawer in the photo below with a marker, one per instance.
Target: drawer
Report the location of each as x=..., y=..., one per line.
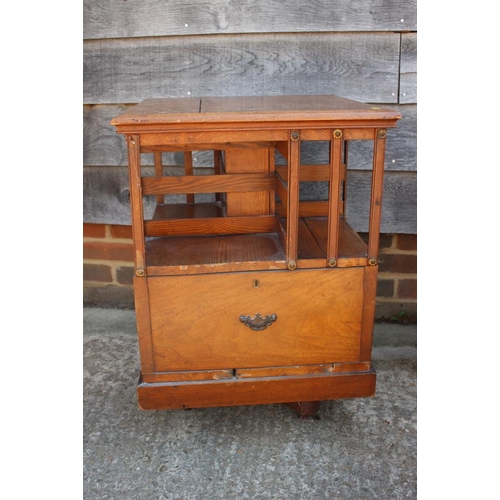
x=210, y=321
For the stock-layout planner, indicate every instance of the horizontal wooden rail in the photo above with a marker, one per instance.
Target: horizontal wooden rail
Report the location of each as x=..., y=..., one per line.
x=212, y=225
x=356, y=134
x=205, y=147
x=308, y=173
x=306, y=209
x=229, y=183
x=179, y=137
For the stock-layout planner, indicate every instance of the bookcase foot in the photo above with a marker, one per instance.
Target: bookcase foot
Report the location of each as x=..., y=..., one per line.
x=305, y=409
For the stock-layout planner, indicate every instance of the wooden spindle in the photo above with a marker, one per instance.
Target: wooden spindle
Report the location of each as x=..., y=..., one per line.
x=376, y=196
x=136, y=203
x=292, y=215
x=334, y=198
x=160, y=198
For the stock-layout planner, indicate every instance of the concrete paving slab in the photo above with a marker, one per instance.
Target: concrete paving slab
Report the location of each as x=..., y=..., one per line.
x=358, y=449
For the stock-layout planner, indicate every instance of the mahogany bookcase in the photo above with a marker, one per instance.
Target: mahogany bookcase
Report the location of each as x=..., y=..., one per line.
x=252, y=297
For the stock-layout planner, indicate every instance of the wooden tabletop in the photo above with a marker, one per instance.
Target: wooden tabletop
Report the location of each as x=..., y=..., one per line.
x=219, y=110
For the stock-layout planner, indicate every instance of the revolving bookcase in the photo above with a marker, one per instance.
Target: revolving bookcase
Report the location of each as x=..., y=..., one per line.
x=245, y=294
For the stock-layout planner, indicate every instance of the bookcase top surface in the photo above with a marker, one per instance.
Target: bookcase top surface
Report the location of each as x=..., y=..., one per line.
x=252, y=109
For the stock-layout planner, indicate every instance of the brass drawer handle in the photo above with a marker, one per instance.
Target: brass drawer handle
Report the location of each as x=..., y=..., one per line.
x=258, y=323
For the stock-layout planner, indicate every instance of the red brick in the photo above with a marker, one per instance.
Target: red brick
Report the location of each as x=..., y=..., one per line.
x=94, y=230
x=385, y=288
x=124, y=275
x=121, y=232
x=407, y=289
x=407, y=241
x=96, y=272
x=398, y=263
x=108, y=251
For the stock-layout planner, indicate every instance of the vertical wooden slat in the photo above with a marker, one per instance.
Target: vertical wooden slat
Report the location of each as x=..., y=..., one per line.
x=272, y=194
x=188, y=170
x=376, y=195
x=344, y=181
x=368, y=314
x=217, y=162
x=292, y=213
x=334, y=197
x=160, y=198
x=134, y=161
x=143, y=321
x=217, y=169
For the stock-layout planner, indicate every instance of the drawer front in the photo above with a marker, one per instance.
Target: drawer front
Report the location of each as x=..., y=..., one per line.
x=256, y=319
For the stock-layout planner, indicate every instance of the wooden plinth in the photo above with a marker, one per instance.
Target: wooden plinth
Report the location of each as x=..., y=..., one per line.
x=199, y=394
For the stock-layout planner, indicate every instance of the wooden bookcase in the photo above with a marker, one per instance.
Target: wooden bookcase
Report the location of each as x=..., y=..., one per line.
x=251, y=296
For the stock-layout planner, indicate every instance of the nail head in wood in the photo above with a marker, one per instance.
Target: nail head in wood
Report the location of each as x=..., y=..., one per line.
x=294, y=136
x=332, y=262
x=382, y=134
x=140, y=272
x=372, y=262
x=337, y=134
x=292, y=265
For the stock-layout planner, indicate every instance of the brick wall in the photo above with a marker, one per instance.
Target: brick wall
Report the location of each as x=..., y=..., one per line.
x=397, y=278
x=108, y=256
x=108, y=271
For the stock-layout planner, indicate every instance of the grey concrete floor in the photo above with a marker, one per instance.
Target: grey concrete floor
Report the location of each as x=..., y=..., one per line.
x=358, y=449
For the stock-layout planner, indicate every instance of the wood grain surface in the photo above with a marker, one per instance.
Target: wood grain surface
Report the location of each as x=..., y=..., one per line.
x=255, y=391
x=137, y=18
x=364, y=66
x=408, y=77
x=184, y=115
x=244, y=161
x=243, y=243
x=209, y=226
x=199, y=251
x=318, y=319
x=231, y=183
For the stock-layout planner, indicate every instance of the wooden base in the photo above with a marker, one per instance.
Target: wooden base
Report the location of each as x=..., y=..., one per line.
x=268, y=390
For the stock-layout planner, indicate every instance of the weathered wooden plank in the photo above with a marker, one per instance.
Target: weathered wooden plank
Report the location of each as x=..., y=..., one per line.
x=360, y=66
x=401, y=150
x=135, y=18
x=106, y=198
x=408, y=71
x=103, y=146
